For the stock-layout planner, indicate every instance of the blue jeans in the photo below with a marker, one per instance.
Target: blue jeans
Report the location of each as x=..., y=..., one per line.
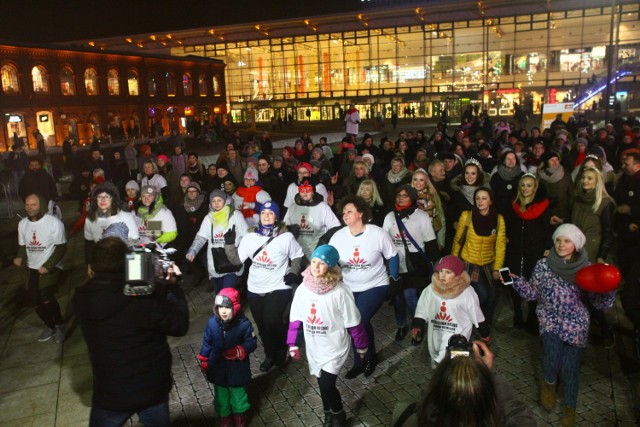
x=368, y=303
x=226, y=281
x=152, y=416
x=403, y=301
x=558, y=357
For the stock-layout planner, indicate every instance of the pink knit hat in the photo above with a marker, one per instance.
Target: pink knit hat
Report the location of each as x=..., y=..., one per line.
x=451, y=262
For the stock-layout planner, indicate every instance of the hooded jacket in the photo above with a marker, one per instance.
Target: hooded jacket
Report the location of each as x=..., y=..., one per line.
x=126, y=339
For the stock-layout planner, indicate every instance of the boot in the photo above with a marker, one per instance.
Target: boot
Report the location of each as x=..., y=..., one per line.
x=568, y=417
x=548, y=395
x=241, y=420
x=328, y=419
x=226, y=421
x=339, y=419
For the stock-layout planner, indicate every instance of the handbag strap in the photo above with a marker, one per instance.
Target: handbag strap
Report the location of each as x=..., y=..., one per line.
x=263, y=246
x=408, y=411
x=463, y=238
x=403, y=230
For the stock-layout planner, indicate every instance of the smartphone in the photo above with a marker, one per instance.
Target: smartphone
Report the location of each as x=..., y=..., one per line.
x=505, y=273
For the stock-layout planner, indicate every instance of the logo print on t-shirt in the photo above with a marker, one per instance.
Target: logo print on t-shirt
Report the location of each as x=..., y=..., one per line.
x=304, y=225
x=264, y=258
x=443, y=313
x=356, y=260
x=313, y=319
x=34, y=241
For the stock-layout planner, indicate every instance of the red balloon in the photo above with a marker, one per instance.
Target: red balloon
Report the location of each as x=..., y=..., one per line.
x=599, y=278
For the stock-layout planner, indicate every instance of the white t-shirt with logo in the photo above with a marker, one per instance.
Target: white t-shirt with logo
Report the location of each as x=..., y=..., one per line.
x=325, y=319
x=215, y=237
x=166, y=221
x=93, y=229
x=271, y=264
x=447, y=317
x=314, y=221
x=292, y=190
x=156, y=180
x=40, y=238
x=362, y=257
x=418, y=224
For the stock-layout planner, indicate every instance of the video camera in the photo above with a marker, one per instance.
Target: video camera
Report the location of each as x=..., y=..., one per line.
x=146, y=267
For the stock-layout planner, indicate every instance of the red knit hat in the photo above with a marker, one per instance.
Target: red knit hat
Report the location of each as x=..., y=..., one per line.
x=451, y=262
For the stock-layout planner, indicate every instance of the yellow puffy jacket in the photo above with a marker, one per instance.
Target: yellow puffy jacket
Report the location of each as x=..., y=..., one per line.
x=481, y=250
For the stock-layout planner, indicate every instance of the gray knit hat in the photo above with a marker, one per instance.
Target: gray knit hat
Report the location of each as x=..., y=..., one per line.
x=119, y=230
x=217, y=193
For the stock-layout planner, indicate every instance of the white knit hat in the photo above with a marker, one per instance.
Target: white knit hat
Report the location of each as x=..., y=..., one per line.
x=573, y=233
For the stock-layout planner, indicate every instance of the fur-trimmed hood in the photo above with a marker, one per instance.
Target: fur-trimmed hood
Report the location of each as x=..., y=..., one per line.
x=452, y=290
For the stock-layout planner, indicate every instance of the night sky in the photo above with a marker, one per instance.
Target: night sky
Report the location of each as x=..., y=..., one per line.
x=65, y=20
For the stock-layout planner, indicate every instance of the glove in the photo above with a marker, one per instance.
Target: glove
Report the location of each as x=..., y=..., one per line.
x=362, y=352
x=292, y=279
x=235, y=353
x=395, y=287
x=294, y=229
x=294, y=352
x=230, y=236
x=416, y=336
x=204, y=363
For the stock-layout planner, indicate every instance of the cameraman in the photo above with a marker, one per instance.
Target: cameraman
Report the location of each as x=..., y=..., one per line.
x=465, y=391
x=126, y=337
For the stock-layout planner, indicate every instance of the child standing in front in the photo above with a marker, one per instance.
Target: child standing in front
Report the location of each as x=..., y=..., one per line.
x=329, y=313
x=449, y=305
x=228, y=340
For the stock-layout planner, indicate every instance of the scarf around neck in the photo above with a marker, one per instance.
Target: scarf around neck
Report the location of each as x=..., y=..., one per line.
x=317, y=285
x=532, y=211
x=566, y=269
x=193, y=205
x=551, y=176
x=222, y=216
x=395, y=178
x=509, y=174
x=453, y=289
x=484, y=225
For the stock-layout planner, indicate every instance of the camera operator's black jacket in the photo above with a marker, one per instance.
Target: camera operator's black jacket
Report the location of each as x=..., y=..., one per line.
x=127, y=341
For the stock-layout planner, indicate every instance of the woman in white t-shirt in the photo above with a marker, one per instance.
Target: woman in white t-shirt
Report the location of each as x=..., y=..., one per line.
x=329, y=314
x=276, y=262
x=155, y=222
x=363, y=249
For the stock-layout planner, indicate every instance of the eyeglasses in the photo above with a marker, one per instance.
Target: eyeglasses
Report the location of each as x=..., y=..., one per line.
x=192, y=191
x=103, y=197
x=402, y=196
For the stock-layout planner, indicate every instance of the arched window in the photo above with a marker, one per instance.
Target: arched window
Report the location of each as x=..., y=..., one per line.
x=186, y=85
x=9, y=79
x=152, y=85
x=67, y=82
x=39, y=78
x=202, y=85
x=170, y=81
x=91, y=81
x=132, y=82
x=216, y=86
x=113, y=84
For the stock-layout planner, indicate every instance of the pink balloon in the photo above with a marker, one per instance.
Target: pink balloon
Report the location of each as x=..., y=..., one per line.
x=599, y=278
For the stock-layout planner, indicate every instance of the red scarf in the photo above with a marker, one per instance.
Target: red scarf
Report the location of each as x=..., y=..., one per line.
x=248, y=195
x=402, y=208
x=533, y=211
x=579, y=159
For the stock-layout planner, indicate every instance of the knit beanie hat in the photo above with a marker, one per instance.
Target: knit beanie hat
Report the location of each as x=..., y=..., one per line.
x=369, y=156
x=195, y=185
x=327, y=254
x=149, y=189
x=251, y=173
x=573, y=233
x=119, y=230
x=217, y=193
x=228, y=298
x=304, y=165
x=271, y=206
x=133, y=185
x=163, y=157
x=451, y=262
x=413, y=195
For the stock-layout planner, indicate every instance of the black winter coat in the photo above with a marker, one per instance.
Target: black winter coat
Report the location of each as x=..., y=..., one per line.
x=127, y=341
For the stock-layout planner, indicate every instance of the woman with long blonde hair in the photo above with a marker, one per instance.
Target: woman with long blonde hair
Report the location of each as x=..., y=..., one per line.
x=429, y=202
x=368, y=190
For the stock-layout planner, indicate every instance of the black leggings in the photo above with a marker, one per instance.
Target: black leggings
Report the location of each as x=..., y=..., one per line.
x=271, y=314
x=44, y=301
x=331, y=399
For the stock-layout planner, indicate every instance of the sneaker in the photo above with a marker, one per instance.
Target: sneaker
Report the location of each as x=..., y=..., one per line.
x=266, y=364
x=46, y=335
x=59, y=335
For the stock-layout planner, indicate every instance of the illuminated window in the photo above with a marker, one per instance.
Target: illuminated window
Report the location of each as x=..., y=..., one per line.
x=152, y=85
x=202, y=85
x=186, y=85
x=113, y=84
x=9, y=79
x=91, y=81
x=67, y=82
x=132, y=82
x=170, y=81
x=39, y=78
x=216, y=86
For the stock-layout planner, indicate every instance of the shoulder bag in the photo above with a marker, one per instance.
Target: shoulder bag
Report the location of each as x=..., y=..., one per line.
x=419, y=267
x=221, y=263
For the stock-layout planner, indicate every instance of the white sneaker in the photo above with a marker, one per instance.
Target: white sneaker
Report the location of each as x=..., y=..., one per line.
x=59, y=334
x=46, y=335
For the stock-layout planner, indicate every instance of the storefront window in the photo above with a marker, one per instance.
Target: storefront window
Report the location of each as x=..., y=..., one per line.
x=10, y=79
x=170, y=81
x=132, y=83
x=152, y=85
x=40, y=82
x=186, y=85
x=202, y=85
x=91, y=81
x=67, y=82
x=112, y=82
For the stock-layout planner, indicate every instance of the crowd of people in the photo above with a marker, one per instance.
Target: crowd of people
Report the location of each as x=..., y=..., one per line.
x=425, y=221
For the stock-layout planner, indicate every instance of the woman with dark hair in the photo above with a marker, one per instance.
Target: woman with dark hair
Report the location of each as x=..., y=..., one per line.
x=529, y=236
x=463, y=187
x=363, y=249
x=483, y=251
x=189, y=216
x=119, y=171
x=504, y=182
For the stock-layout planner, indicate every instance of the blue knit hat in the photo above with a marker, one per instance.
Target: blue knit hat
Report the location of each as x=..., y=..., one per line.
x=272, y=206
x=327, y=254
x=119, y=230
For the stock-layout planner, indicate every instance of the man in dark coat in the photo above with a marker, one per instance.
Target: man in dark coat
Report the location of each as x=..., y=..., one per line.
x=37, y=181
x=126, y=338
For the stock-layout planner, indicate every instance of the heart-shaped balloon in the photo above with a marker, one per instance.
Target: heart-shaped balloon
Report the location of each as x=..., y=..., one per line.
x=599, y=278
